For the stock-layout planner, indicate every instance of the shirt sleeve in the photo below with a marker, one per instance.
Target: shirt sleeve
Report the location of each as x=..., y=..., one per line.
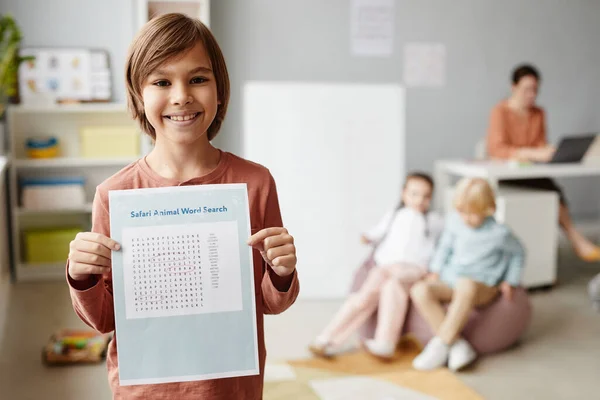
x=376, y=232
x=498, y=141
x=443, y=251
x=278, y=293
x=93, y=299
x=516, y=254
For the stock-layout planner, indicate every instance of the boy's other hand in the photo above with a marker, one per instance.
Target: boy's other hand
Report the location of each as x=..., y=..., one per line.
x=90, y=254
x=277, y=248
x=507, y=290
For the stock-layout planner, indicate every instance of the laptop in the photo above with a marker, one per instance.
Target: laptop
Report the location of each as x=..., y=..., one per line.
x=572, y=149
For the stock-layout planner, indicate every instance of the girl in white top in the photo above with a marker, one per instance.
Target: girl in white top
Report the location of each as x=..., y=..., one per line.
x=404, y=241
x=408, y=235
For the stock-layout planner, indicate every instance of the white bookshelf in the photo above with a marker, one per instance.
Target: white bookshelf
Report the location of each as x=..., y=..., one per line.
x=86, y=208
x=72, y=162
x=63, y=122
x=40, y=272
x=83, y=108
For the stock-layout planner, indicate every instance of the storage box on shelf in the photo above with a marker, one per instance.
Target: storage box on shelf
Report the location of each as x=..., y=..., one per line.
x=109, y=141
x=52, y=193
x=94, y=142
x=46, y=246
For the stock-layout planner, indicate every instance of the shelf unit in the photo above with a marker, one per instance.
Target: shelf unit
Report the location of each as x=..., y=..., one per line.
x=40, y=272
x=72, y=162
x=86, y=208
x=64, y=122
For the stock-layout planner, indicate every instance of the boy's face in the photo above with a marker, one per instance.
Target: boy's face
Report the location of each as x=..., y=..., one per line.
x=180, y=97
x=474, y=220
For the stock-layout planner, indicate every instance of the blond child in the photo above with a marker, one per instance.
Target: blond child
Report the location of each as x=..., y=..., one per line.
x=404, y=241
x=477, y=258
x=178, y=91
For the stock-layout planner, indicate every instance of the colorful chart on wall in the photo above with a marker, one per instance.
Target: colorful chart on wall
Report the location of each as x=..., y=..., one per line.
x=64, y=74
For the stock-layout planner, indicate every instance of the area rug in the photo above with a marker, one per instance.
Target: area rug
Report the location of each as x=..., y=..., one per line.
x=358, y=376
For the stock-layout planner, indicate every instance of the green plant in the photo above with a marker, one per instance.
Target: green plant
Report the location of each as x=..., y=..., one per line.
x=10, y=39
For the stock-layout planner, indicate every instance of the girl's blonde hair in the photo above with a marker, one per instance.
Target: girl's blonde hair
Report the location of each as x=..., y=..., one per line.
x=164, y=38
x=475, y=195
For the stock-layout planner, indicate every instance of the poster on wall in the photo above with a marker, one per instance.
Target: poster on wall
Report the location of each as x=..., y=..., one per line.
x=63, y=74
x=424, y=64
x=148, y=9
x=372, y=28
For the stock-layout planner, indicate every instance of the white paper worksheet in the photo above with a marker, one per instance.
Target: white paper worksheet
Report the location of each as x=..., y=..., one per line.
x=181, y=270
x=183, y=284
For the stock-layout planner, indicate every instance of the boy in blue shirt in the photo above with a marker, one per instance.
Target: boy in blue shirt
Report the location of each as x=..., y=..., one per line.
x=476, y=259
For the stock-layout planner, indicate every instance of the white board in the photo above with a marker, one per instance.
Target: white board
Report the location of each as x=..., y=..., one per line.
x=336, y=152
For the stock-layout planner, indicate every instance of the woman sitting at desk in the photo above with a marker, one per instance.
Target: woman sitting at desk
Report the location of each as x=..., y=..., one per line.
x=517, y=130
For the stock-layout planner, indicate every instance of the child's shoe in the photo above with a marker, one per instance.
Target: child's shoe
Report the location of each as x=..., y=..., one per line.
x=320, y=350
x=461, y=355
x=434, y=355
x=323, y=348
x=383, y=351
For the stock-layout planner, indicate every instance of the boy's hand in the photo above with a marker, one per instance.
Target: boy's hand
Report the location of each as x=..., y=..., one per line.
x=90, y=255
x=277, y=248
x=365, y=240
x=507, y=290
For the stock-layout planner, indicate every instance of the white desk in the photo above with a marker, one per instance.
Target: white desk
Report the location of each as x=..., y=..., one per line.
x=495, y=171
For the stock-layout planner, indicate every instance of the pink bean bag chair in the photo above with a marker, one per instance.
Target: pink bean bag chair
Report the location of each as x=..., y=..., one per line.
x=490, y=329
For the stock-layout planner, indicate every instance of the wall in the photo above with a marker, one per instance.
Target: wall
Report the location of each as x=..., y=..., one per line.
x=308, y=41
x=106, y=24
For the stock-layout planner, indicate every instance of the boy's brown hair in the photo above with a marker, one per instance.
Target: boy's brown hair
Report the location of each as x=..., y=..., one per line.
x=165, y=37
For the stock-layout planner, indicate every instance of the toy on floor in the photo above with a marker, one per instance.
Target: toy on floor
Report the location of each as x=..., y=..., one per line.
x=75, y=347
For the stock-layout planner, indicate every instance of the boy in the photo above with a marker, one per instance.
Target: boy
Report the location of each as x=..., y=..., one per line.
x=178, y=91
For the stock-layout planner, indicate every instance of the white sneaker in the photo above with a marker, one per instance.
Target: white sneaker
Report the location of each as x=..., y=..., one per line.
x=380, y=350
x=434, y=355
x=323, y=348
x=461, y=355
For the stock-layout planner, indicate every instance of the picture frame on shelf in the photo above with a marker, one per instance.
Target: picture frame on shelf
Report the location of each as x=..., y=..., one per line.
x=148, y=9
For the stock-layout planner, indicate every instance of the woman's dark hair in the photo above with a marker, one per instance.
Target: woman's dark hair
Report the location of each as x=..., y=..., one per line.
x=524, y=70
